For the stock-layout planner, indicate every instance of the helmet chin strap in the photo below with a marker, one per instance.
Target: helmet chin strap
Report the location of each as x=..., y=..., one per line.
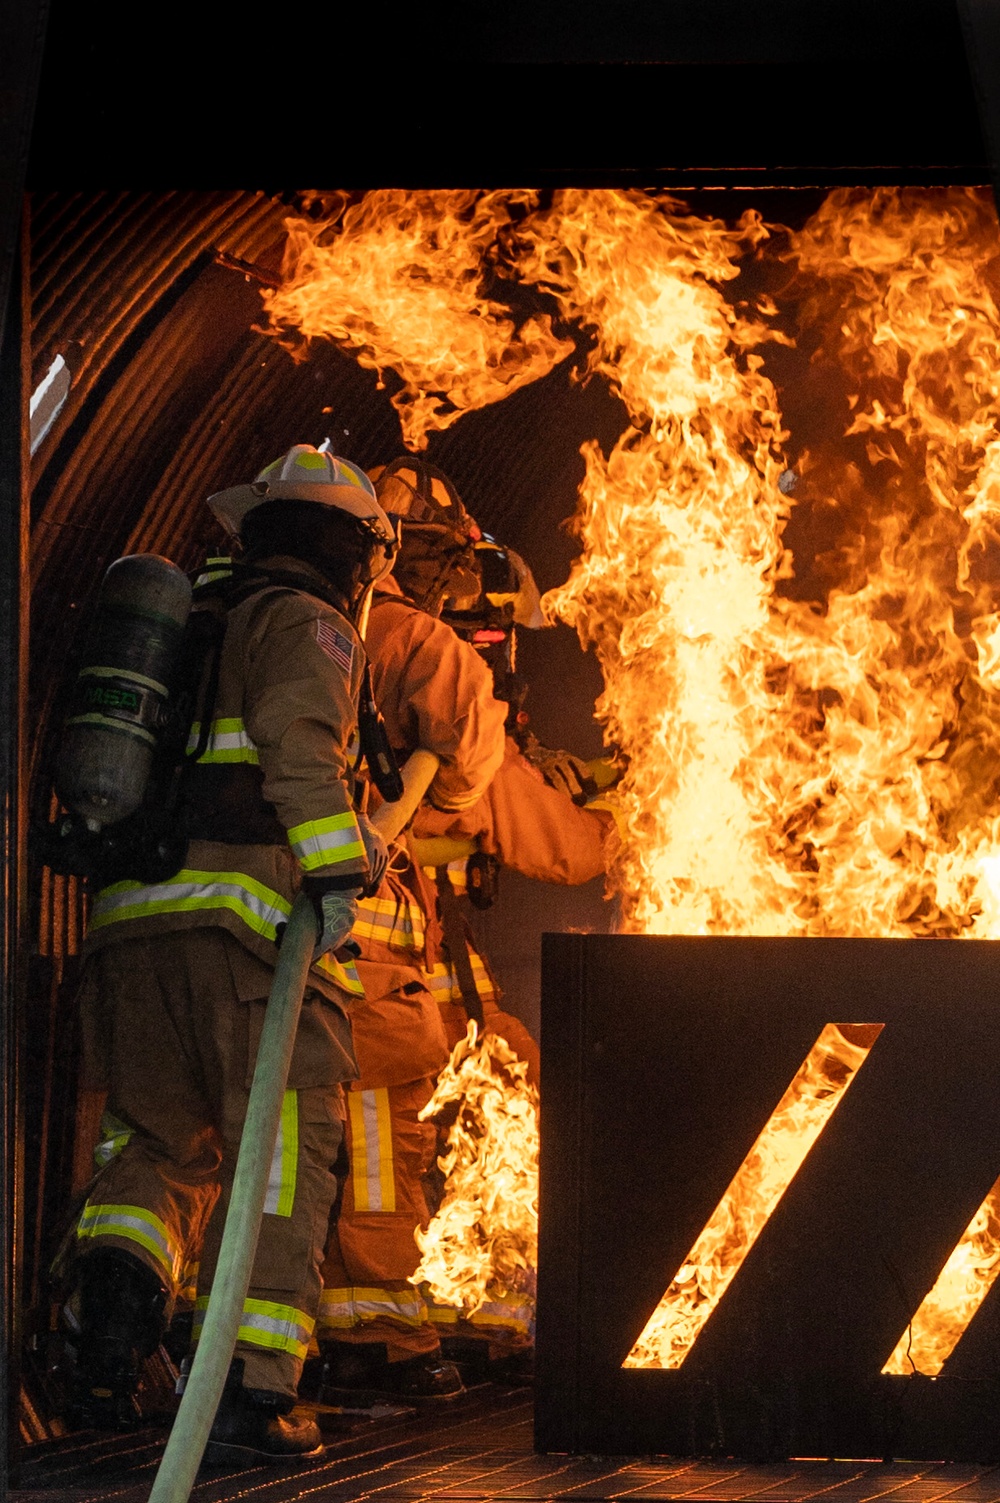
x=364, y=610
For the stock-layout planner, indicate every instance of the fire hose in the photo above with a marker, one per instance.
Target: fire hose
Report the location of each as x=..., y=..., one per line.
x=189, y=1434
x=418, y=775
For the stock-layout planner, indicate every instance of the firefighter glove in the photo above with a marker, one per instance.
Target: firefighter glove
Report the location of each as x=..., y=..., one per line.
x=561, y=770
x=377, y=852
x=336, y=908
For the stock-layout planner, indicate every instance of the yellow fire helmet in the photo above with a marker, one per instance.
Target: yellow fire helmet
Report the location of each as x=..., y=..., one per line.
x=308, y=474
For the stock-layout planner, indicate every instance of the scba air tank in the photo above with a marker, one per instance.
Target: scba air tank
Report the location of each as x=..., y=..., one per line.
x=119, y=701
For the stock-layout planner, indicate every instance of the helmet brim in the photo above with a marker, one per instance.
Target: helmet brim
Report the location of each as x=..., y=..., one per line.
x=232, y=506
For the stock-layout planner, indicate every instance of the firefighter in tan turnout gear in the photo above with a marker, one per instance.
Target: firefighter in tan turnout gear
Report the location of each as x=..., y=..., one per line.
x=436, y=694
x=178, y=971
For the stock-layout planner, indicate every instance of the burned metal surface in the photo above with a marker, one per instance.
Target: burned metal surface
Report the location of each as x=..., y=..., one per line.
x=664, y=1059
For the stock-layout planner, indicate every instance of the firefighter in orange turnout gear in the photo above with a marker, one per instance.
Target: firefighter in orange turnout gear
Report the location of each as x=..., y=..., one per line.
x=530, y=825
x=178, y=971
x=435, y=694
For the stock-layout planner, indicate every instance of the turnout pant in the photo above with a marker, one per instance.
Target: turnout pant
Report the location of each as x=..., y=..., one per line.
x=171, y=1026
x=372, y=1250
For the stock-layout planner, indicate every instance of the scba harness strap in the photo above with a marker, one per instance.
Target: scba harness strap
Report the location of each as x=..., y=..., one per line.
x=205, y=781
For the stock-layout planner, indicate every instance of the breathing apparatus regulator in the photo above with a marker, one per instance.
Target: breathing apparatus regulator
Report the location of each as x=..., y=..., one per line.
x=508, y=597
x=150, y=667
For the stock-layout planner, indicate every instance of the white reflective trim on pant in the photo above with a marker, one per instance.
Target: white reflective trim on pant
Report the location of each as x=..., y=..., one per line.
x=278, y=1328
x=342, y=1309
x=516, y=1316
x=134, y=1224
x=373, y=1177
x=280, y=1196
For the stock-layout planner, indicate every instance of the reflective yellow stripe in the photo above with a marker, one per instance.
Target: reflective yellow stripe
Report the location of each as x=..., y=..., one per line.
x=341, y=1309
x=516, y=1316
x=457, y=875
x=222, y=570
x=510, y=1312
x=344, y=974
x=443, y=983
x=372, y=1170
x=280, y=1196
x=279, y=1328
x=188, y=1283
x=114, y=1137
x=228, y=741
x=396, y=923
x=325, y=842
x=191, y=891
x=442, y=1315
x=387, y=1173
x=135, y=1224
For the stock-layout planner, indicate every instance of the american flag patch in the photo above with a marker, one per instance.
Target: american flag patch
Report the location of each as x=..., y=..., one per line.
x=335, y=645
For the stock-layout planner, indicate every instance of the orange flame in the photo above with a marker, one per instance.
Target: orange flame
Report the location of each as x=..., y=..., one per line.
x=960, y=1288
x=681, y=531
x=803, y=1112
x=806, y=695
x=483, y=1241
x=395, y=279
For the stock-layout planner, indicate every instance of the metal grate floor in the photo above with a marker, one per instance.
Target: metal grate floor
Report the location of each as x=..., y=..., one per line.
x=479, y=1450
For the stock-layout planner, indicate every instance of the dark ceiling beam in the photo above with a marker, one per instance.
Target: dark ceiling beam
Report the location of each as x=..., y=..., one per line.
x=465, y=92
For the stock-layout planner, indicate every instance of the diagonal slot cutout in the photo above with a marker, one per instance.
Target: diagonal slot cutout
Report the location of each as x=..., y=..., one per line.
x=961, y=1286
x=815, y=1092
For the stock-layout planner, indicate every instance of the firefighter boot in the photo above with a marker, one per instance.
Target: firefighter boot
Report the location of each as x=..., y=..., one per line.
x=361, y=1372
x=122, y=1306
x=254, y=1425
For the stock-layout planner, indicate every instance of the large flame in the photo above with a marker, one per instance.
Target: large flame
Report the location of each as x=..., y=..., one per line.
x=789, y=561
x=681, y=531
x=396, y=280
